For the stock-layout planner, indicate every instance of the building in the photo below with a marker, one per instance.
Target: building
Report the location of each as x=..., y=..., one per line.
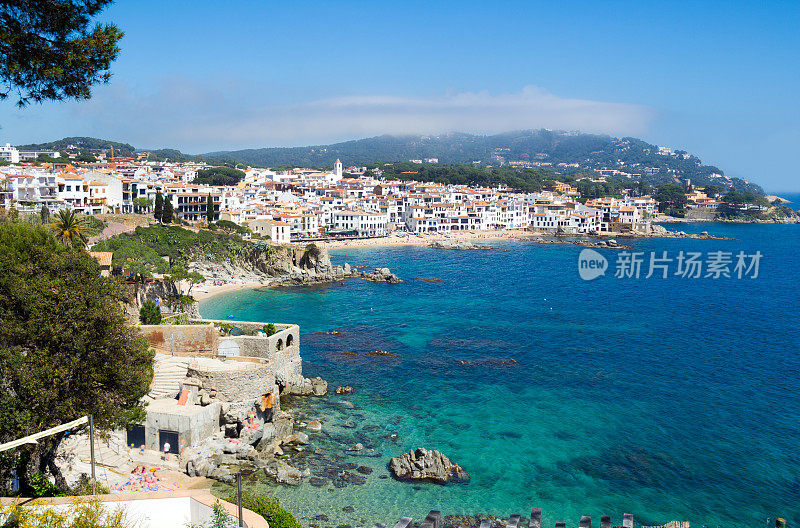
x=9, y=153
x=276, y=230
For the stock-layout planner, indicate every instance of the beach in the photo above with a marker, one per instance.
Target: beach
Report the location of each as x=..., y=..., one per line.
x=411, y=239
x=205, y=291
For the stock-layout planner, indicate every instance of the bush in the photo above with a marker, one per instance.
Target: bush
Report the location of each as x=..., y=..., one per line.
x=269, y=509
x=84, y=486
x=80, y=514
x=149, y=313
x=269, y=329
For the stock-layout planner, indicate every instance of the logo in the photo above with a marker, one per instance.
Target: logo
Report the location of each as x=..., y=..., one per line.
x=591, y=264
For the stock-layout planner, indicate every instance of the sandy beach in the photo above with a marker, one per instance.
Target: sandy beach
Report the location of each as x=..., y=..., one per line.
x=408, y=239
x=202, y=292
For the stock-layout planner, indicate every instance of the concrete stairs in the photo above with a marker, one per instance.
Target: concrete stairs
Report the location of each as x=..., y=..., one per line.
x=110, y=453
x=168, y=373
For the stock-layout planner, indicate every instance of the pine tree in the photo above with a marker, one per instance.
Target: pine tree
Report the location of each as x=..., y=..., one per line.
x=158, y=210
x=210, y=209
x=168, y=213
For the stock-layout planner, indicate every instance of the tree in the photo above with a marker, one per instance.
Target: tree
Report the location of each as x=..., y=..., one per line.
x=142, y=203
x=179, y=273
x=65, y=348
x=168, y=213
x=86, y=157
x=712, y=190
x=149, y=313
x=50, y=51
x=670, y=196
x=69, y=228
x=158, y=210
x=219, y=176
x=209, y=209
x=44, y=214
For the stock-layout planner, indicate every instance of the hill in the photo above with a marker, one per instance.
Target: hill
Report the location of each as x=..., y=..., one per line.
x=83, y=143
x=566, y=152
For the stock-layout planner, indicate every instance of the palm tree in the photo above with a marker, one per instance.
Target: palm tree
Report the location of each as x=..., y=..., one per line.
x=68, y=227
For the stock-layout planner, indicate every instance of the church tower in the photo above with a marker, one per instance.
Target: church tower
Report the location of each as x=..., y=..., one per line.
x=337, y=169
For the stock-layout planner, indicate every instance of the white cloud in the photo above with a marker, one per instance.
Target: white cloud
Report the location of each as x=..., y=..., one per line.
x=198, y=118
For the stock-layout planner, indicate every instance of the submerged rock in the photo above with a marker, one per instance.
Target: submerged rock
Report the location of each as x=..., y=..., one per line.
x=423, y=464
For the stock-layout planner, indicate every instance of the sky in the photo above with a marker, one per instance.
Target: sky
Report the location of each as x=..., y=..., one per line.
x=718, y=79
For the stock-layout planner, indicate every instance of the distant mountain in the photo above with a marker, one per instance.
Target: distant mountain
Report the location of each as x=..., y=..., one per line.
x=88, y=143
x=544, y=148
x=563, y=152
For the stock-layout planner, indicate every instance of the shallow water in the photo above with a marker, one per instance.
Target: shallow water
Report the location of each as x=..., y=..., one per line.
x=667, y=398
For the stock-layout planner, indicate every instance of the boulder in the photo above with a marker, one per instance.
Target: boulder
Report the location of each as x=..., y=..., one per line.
x=347, y=389
x=314, y=426
x=319, y=387
x=430, y=465
x=298, y=438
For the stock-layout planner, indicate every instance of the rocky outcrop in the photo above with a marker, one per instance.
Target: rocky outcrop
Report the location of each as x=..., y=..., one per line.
x=381, y=275
x=292, y=265
x=309, y=387
x=423, y=464
x=461, y=245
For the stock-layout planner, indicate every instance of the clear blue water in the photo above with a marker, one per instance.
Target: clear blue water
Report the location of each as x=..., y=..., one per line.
x=672, y=399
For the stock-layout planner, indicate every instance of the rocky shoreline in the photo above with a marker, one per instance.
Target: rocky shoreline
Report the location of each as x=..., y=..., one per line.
x=290, y=266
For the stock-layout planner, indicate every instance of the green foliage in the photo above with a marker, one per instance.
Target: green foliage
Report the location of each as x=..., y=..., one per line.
x=85, y=143
x=737, y=204
x=142, y=203
x=83, y=486
x=145, y=247
x=219, y=176
x=65, y=349
x=41, y=486
x=149, y=313
x=86, y=157
x=133, y=256
x=230, y=227
x=210, y=214
x=269, y=509
x=670, y=196
x=158, y=210
x=44, y=214
x=70, y=228
x=53, y=51
x=168, y=215
x=712, y=190
x=80, y=514
x=269, y=329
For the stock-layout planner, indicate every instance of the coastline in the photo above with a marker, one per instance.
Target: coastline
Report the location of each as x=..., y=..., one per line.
x=206, y=292
x=424, y=240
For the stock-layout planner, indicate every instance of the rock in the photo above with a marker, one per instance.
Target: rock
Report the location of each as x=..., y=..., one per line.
x=319, y=387
x=298, y=438
x=461, y=245
x=314, y=426
x=346, y=268
x=358, y=447
x=364, y=470
x=287, y=474
x=347, y=389
x=251, y=436
x=423, y=464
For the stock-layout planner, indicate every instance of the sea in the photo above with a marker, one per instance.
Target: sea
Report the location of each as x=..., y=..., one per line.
x=671, y=398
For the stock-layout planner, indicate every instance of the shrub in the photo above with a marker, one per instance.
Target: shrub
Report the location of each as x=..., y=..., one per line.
x=84, y=486
x=269, y=329
x=81, y=514
x=149, y=313
x=269, y=509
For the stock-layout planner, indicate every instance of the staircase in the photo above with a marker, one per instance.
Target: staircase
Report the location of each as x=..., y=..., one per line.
x=168, y=373
x=111, y=453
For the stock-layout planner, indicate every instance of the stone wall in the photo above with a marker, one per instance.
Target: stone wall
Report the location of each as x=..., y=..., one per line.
x=235, y=384
x=192, y=423
x=195, y=340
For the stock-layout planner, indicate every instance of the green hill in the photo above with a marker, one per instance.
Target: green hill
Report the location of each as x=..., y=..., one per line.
x=84, y=143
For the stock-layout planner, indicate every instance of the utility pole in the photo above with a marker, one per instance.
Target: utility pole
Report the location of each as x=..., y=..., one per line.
x=239, y=497
x=91, y=452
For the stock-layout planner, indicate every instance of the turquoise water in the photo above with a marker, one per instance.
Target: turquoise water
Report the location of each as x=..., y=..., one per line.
x=666, y=398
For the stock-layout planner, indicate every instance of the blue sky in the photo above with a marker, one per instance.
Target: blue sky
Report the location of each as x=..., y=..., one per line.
x=719, y=79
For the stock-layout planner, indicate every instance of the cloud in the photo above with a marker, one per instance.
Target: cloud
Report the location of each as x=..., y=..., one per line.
x=197, y=117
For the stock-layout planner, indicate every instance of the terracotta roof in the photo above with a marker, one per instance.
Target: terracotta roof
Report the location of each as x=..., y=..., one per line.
x=103, y=257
